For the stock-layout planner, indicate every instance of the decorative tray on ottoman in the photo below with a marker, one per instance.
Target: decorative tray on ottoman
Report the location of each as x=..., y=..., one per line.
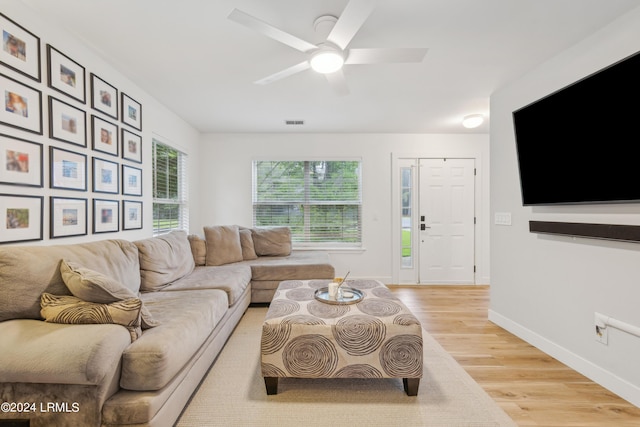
x=356, y=295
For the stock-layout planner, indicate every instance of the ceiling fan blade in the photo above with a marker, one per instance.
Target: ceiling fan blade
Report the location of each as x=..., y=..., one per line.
x=350, y=21
x=338, y=83
x=270, y=31
x=385, y=55
x=284, y=73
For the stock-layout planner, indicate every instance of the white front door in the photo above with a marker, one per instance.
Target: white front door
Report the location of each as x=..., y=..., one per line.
x=446, y=221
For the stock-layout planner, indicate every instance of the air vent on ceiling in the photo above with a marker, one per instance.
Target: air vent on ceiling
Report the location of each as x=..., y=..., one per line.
x=294, y=122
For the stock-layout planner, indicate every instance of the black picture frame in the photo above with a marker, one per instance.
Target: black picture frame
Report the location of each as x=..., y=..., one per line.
x=106, y=216
x=131, y=146
x=105, y=176
x=21, y=218
x=104, y=136
x=67, y=123
x=104, y=97
x=132, y=215
x=66, y=75
x=131, y=181
x=20, y=162
x=67, y=217
x=67, y=170
x=20, y=50
x=21, y=105
x=131, y=113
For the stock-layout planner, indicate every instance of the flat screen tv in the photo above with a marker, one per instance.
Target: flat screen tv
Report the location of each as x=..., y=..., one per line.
x=581, y=144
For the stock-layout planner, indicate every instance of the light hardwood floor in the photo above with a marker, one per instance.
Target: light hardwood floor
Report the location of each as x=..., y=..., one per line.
x=532, y=387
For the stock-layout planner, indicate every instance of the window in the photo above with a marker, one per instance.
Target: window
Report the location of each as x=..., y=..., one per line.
x=170, y=208
x=321, y=201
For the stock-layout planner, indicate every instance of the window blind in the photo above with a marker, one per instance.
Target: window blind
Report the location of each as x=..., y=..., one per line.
x=170, y=207
x=321, y=201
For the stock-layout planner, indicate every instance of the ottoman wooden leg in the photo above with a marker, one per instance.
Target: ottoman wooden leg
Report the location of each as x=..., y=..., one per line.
x=271, y=383
x=410, y=386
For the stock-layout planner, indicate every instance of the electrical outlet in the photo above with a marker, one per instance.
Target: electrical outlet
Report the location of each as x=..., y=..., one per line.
x=602, y=335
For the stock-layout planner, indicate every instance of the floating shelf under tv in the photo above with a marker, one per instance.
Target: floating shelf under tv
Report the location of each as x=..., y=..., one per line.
x=626, y=233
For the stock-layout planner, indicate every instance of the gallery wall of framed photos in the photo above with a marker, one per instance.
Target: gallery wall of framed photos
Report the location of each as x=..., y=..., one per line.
x=71, y=144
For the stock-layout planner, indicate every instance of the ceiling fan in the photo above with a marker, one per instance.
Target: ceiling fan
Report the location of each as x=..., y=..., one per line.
x=329, y=56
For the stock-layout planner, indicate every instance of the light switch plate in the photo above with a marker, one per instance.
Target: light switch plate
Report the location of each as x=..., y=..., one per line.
x=502, y=218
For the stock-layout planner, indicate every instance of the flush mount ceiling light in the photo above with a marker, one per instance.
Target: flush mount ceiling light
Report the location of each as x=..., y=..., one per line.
x=472, y=121
x=326, y=60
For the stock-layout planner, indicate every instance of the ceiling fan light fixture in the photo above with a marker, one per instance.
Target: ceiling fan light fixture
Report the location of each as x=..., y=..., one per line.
x=326, y=61
x=472, y=121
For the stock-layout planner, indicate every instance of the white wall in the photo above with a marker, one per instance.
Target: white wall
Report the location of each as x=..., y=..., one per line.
x=226, y=183
x=157, y=121
x=546, y=289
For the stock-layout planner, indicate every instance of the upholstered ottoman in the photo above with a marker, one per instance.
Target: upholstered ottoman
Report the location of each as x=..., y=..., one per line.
x=377, y=337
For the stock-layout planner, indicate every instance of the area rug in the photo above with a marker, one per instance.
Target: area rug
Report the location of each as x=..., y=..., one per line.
x=233, y=393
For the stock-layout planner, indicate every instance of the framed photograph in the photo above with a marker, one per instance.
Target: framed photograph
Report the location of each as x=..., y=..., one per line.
x=67, y=123
x=21, y=218
x=104, y=136
x=66, y=75
x=131, y=112
x=105, y=216
x=21, y=105
x=68, y=217
x=20, y=162
x=131, y=215
x=20, y=49
x=104, y=97
x=105, y=176
x=131, y=146
x=131, y=181
x=68, y=169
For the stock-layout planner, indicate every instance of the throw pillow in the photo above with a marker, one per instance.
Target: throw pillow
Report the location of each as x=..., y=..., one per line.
x=223, y=244
x=246, y=241
x=274, y=241
x=198, y=249
x=72, y=310
x=89, y=285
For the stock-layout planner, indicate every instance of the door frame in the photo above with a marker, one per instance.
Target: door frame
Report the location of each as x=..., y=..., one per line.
x=481, y=207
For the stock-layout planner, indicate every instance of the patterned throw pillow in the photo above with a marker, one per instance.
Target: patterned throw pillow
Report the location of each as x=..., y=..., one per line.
x=92, y=286
x=74, y=311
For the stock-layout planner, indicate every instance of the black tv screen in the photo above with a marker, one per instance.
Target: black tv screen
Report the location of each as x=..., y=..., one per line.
x=581, y=144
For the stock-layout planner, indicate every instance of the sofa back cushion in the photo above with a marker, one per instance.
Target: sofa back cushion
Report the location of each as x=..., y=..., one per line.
x=248, y=248
x=223, y=244
x=164, y=259
x=198, y=249
x=275, y=241
x=26, y=272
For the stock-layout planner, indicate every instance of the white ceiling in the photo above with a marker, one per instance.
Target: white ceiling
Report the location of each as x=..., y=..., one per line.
x=201, y=65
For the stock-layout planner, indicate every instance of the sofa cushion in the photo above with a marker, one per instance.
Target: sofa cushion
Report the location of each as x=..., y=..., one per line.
x=92, y=286
x=164, y=259
x=299, y=265
x=231, y=278
x=33, y=351
x=117, y=259
x=187, y=318
x=198, y=249
x=275, y=241
x=74, y=311
x=223, y=244
x=248, y=248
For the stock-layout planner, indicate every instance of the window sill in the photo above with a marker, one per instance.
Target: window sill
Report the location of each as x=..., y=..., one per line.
x=331, y=249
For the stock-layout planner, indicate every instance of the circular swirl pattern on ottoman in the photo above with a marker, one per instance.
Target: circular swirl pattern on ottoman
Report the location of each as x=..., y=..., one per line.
x=310, y=356
x=327, y=311
x=290, y=284
x=359, y=335
x=317, y=284
x=300, y=294
x=384, y=293
x=401, y=356
x=269, y=370
x=358, y=371
x=379, y=307
x=405, y=320
x=281, y=307
x=274, y=337
x=363, y=284
x=302, y=319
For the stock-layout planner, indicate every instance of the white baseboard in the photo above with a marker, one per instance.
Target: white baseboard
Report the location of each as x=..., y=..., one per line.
x=606, y=379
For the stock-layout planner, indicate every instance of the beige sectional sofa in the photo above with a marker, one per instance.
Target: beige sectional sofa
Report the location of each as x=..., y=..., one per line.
x=56, y=372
